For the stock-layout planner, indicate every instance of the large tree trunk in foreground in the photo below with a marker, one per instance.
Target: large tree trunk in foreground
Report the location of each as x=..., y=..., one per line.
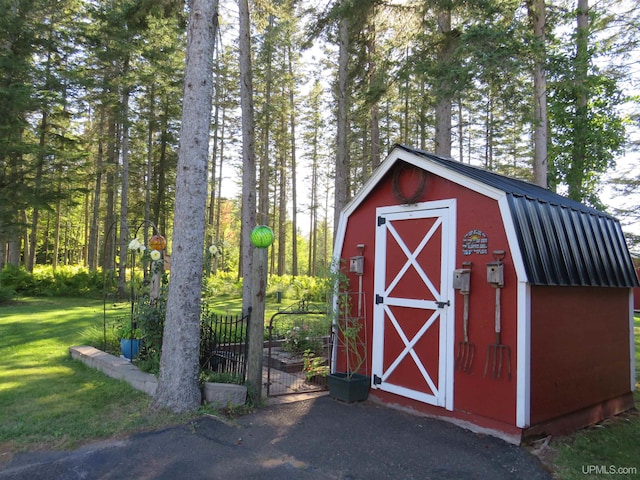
x=178, y=388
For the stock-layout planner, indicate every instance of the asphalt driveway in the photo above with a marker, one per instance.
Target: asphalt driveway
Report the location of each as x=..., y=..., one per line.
x=312, y=439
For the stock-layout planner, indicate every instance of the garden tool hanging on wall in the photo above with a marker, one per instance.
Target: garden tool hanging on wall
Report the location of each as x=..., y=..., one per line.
x=466, y=349
x=497, y=353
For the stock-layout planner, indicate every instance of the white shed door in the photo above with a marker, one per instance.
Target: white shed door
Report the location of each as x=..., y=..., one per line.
x=413, y=334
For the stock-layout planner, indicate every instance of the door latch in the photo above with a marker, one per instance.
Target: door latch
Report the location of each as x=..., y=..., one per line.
x=444, y=304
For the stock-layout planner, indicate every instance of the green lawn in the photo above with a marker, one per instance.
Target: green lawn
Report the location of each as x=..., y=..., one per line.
x=48, y=400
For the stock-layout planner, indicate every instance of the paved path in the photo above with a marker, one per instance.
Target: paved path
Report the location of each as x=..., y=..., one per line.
x=314, y=439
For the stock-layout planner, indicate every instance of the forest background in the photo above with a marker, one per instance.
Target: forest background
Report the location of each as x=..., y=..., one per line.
x=91, y=95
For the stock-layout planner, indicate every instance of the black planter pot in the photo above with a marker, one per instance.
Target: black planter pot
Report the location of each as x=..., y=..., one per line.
x=348, y=388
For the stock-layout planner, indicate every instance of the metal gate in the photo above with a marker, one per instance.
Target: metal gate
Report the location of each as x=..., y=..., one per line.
x=223, y=344
x=297, y=353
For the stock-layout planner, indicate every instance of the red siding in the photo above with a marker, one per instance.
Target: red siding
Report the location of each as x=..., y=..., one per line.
x=473, y=393
x=579, y=348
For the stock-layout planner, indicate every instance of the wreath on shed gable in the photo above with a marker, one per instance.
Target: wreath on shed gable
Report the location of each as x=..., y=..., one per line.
x=395, y=186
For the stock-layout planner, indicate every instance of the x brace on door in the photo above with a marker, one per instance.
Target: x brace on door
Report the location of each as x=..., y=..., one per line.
x=411, y=258
x=414, y=309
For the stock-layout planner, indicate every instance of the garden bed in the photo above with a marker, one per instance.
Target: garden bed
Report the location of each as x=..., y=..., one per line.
x=283, y=360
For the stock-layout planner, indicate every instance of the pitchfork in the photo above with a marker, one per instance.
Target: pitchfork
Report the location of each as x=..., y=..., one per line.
x=497, y=352
x=466, y=350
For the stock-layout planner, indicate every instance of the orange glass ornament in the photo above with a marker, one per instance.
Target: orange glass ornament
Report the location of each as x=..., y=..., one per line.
x=157, y=242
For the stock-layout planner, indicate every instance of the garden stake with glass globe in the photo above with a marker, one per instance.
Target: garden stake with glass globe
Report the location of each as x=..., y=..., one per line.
x=261, y=238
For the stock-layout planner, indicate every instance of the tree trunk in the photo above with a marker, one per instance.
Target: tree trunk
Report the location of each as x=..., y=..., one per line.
x=31, y=258
x=294, y=189
x=374, y=121
x=405, y=109
x=56, y=228
x=87, y=221
x=159, y=214
x=537, y=16
x=178, y=388
x=214, y=151
x=110, y=227
x=124, y=194
x=282, y=210
x=263, y=199
x=216, y=236
x=460, y=131
x=443, y=106
x=255, y=329
x=575, y=176
x=342, y=179
x=488, y=141
x=248, y=152
x=97, y=188
x=151, y=122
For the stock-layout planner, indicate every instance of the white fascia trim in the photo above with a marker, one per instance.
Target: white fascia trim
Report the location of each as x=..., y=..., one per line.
x=340, y=234
x=632, y=343
x=337, y=253
x=523, y=367
x=512, y=239
x=523, y=320
x=428, y=205
x=450, y=256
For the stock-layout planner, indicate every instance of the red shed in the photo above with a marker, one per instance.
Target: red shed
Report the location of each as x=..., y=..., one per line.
x=489, y=301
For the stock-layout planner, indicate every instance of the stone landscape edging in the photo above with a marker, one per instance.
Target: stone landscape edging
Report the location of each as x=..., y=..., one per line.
x=218, y=394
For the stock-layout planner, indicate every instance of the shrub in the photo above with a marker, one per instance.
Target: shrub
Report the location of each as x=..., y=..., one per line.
x=6, y=295
x=18, y=279
x=295, y=288
x=149, y=317
x=65, y=280
x=302, y=286
x=220, y=377
x=300, y=339
x=222, y=283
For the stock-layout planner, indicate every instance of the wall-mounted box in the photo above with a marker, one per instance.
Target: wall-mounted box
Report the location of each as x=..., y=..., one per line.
x=356, y=265
x=495, y=274
x=462, y=280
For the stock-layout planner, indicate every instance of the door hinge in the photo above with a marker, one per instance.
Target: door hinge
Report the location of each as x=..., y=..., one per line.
x=379, y=299
x=443, y=304
x=381, y=221
x=377, y=380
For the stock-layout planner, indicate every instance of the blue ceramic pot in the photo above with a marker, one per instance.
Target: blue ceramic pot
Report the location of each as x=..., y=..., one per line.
x=130, y=347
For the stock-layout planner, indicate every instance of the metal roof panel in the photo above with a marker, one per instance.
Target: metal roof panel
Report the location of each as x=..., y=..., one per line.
x=562, y=242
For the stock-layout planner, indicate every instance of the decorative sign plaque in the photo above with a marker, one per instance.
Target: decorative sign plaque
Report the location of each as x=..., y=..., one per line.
x=475, y=241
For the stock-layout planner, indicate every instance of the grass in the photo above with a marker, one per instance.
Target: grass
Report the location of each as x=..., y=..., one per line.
x=47, y=400
x=608, y=450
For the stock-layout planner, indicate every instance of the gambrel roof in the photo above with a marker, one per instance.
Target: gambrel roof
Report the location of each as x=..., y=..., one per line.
x=561, y=241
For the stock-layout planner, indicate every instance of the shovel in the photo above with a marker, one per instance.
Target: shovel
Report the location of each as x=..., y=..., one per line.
x=466, y=350
x=498, y=353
